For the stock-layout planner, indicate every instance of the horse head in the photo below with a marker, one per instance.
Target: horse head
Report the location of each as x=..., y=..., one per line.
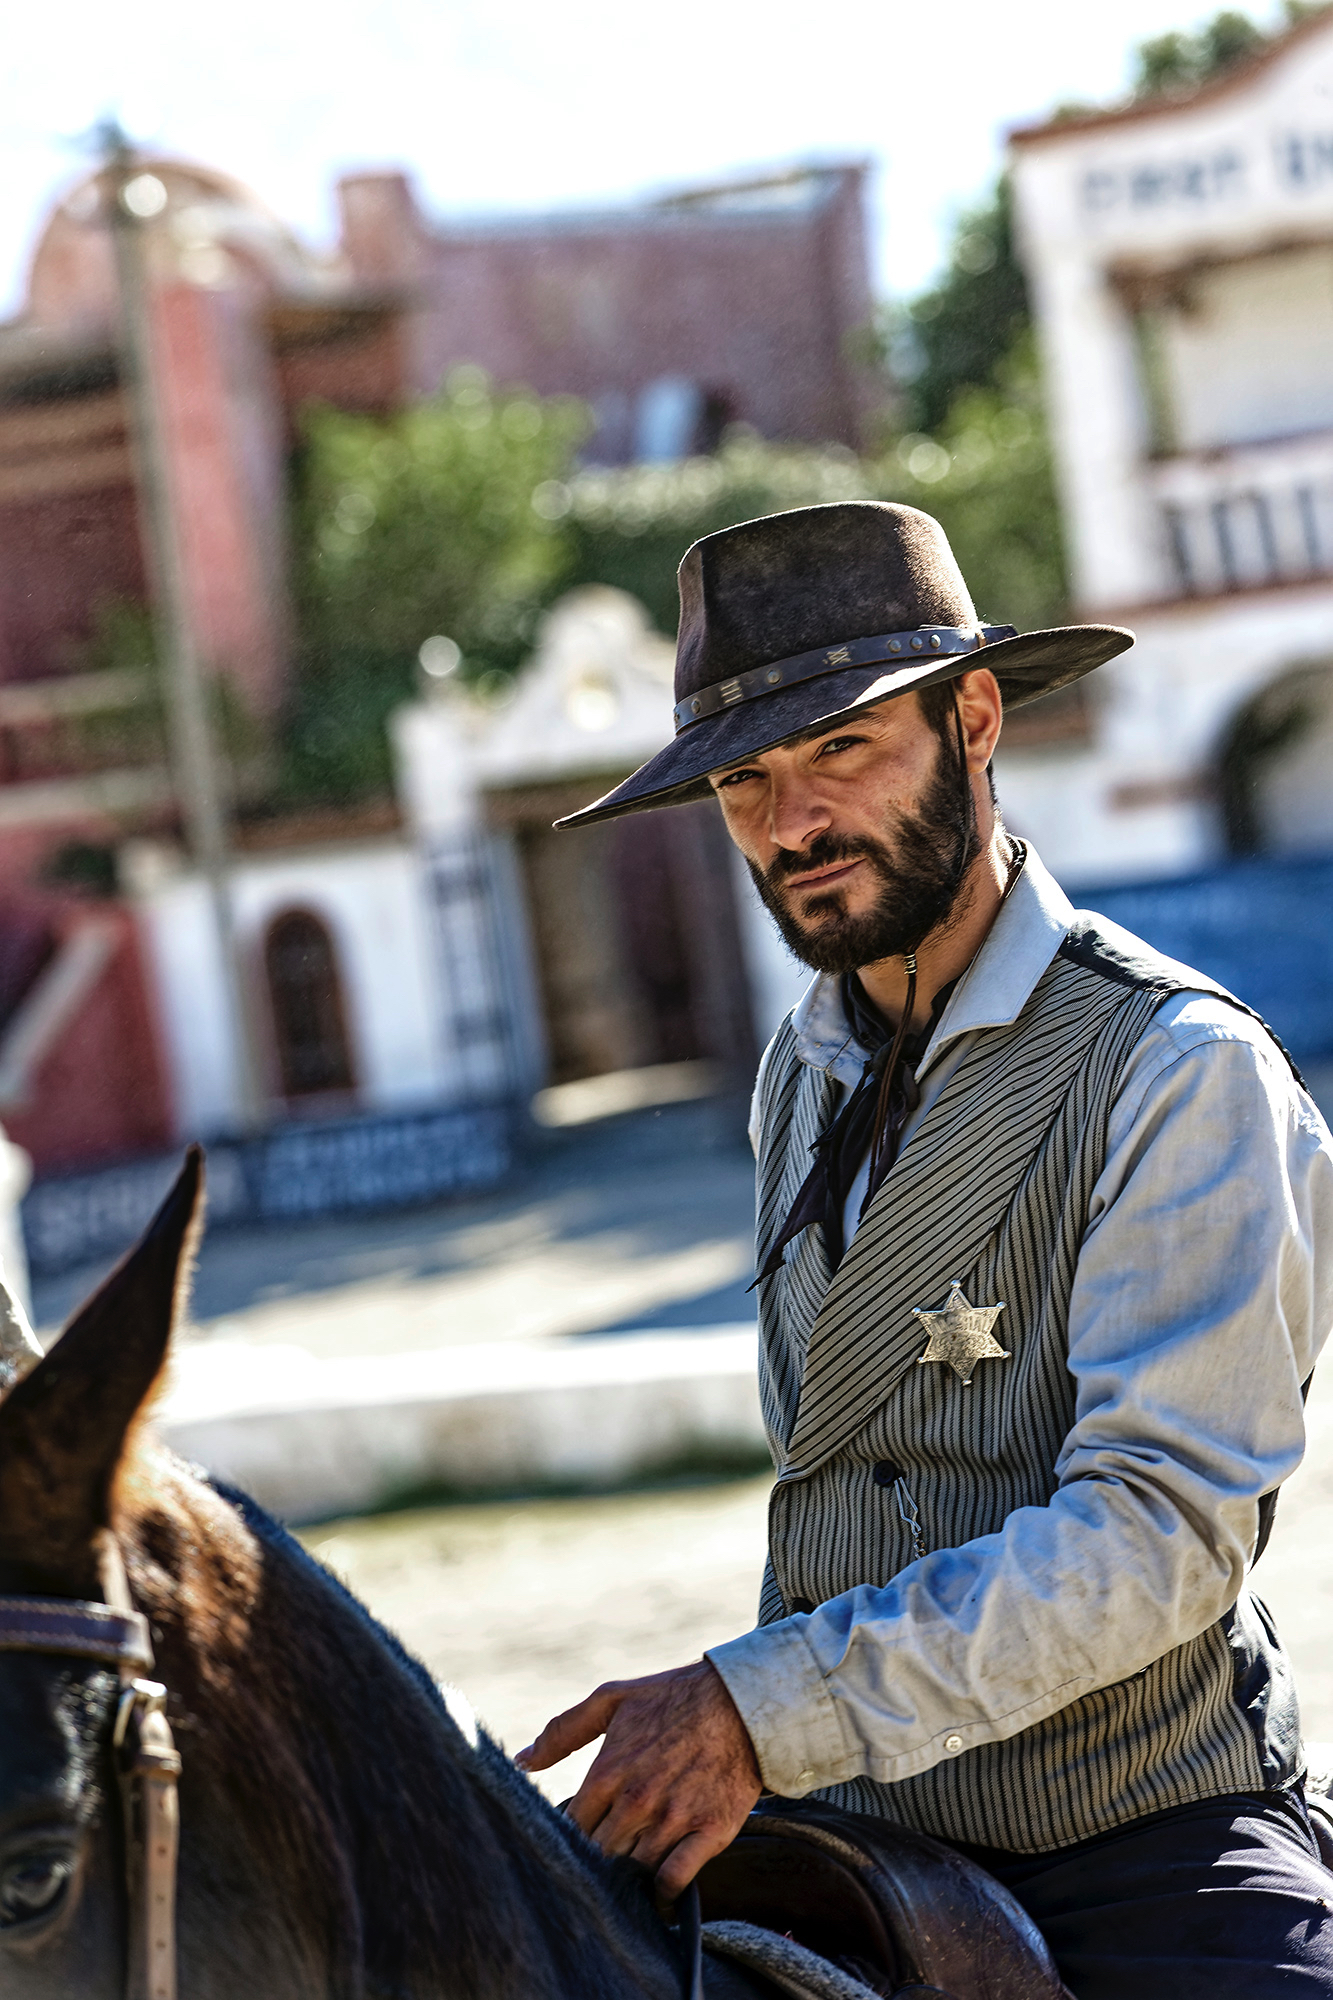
x=341, y=1834
x=64, y=1429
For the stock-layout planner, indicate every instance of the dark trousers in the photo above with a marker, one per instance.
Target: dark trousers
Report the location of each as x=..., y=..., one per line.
x=1224, y=1900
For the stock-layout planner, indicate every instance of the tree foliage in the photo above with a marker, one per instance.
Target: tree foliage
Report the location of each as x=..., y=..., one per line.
x=1175, y=63
x=631, y=527
x=1178, y=61
x=987, y=476
x=958, y=333
x=466, y=514
x=985, y=473
x=438, y=520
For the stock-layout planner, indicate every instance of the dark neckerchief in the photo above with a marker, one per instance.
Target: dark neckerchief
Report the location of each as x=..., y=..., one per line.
x=840, y=1150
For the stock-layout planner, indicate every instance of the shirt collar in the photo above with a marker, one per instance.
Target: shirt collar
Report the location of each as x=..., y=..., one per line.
x=1028, y=931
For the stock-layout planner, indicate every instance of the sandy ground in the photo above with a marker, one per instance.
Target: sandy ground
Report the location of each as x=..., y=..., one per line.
x=527, y=1606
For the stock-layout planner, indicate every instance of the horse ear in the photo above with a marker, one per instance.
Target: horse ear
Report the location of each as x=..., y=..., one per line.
x=63, y=1425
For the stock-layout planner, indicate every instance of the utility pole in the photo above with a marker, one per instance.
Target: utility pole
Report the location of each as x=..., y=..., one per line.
x=135, y=198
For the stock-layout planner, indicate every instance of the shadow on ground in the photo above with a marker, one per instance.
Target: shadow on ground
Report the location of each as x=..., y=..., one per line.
x=645, y=1190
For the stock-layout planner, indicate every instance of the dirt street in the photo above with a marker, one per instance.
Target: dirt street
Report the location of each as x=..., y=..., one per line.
x=635, y=1222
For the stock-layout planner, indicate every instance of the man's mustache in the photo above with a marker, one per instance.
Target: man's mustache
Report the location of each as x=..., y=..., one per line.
x=823, y=852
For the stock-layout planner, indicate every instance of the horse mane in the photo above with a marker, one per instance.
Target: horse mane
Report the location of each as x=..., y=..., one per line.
x=296, y=1708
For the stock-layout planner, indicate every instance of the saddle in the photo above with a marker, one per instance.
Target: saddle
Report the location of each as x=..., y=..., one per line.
x=905, y=1915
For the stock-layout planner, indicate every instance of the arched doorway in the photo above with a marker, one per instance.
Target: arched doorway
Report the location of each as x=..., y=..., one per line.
x=305, y=994
x=637, y=938
x=1276, y=764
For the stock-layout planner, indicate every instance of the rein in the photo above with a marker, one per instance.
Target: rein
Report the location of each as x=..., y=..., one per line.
x=147, y=1762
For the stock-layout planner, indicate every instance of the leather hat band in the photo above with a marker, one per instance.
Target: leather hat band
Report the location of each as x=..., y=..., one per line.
x=922, y=643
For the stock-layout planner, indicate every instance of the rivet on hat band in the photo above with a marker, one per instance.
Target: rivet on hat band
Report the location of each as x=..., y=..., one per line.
x=879, y=651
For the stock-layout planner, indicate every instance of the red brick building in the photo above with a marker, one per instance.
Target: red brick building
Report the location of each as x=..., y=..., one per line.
x=672, y=319
x=739, y=303
x=247, y=326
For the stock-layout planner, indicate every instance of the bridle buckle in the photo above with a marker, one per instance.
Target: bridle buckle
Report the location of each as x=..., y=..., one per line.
x=137, y=1698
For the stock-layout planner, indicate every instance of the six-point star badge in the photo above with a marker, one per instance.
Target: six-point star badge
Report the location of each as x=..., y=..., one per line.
x=961, y=1334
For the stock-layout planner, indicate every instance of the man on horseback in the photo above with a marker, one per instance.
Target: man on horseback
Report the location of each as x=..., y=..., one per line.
x=1045, y=1252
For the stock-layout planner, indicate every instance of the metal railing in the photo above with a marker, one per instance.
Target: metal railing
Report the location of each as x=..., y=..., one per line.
x=1249, y=539
x=1248, y=516
x=480, y=1027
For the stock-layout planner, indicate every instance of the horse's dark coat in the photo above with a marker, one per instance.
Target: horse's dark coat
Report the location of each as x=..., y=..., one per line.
x=341, y=1839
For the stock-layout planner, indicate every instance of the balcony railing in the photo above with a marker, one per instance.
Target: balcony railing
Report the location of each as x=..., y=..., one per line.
x=1247, y=517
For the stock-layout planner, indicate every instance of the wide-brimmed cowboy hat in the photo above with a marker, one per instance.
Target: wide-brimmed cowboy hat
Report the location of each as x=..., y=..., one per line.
x=796, y=619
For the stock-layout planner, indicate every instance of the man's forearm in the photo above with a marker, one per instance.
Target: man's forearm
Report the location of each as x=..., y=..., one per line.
x=971, y=1645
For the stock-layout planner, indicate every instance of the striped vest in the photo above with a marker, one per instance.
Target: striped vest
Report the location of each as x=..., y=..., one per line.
x=993, y=1189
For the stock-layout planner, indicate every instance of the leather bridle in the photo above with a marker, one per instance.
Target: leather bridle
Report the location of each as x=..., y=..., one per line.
x=147, y=1762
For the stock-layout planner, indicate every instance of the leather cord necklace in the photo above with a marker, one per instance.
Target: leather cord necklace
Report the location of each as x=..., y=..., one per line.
x=878, y=1165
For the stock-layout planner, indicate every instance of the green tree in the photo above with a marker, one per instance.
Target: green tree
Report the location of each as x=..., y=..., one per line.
x=443, y=519
x=1180, y=62
x=465, y=515
x=631, y=527
x=958, y=332
x=986, y=475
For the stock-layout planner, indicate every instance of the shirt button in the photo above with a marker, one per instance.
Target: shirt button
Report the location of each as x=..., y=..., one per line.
x=886, y=1473
x=804, y=1778
x=953, y=1744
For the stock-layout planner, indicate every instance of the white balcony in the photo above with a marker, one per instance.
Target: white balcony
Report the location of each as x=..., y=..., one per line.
x=1246, y=516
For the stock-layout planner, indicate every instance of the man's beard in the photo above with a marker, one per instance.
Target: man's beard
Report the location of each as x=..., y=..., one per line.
x=921, y=867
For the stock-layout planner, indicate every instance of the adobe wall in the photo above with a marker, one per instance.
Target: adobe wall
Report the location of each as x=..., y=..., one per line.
x=100, y=1094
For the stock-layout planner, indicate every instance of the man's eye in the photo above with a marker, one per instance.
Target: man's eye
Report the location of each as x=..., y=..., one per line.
x=735, y=778
x=836, y=744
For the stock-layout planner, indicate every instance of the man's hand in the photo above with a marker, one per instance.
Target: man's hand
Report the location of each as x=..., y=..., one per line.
x=674, y=1780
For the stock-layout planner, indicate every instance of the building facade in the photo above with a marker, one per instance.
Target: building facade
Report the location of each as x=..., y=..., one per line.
x=744, y=303
x=473, y=954
x=1180, y=254
x=672, y=318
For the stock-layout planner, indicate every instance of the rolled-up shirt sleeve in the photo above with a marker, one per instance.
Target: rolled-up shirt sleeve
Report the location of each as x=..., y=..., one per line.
x=1203, y=1294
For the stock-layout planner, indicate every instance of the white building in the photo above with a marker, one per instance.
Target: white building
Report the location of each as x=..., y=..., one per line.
x=1181, y=260
x=472, y=954
x=633, y=944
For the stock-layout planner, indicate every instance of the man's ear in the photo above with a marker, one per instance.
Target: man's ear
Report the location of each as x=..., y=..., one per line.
x=63, y=1427
x=982, y=711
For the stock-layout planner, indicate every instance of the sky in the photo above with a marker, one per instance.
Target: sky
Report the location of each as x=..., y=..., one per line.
x=527, y=105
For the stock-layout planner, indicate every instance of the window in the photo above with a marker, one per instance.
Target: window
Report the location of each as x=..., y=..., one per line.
x=306, y=998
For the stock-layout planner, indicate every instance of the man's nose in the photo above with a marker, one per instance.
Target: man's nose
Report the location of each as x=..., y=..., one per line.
x=796, y=814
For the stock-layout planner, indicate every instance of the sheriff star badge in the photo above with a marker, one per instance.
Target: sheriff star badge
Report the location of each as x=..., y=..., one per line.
x=961, y=1334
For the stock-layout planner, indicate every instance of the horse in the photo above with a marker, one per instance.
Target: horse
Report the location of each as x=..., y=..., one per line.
x=346, y=1832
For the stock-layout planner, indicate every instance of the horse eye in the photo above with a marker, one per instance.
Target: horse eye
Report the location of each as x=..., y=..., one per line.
x=31, y=1885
